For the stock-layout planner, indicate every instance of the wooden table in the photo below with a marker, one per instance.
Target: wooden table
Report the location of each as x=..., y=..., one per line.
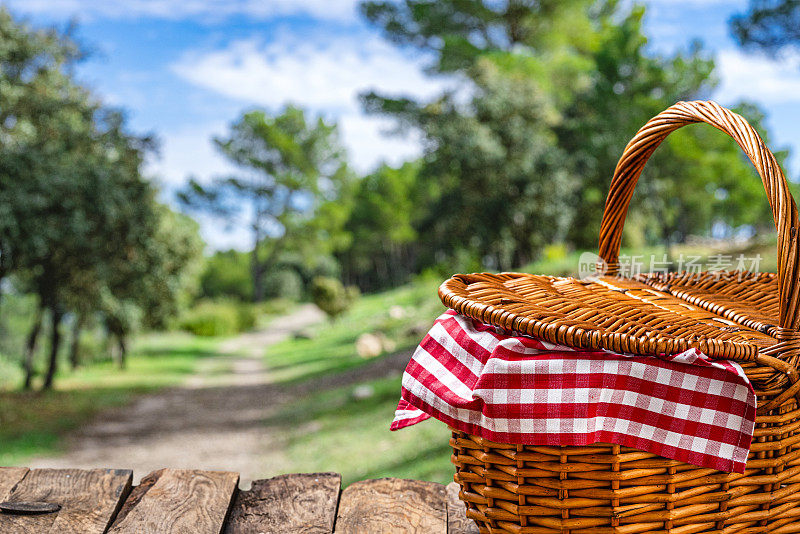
x=209, y=502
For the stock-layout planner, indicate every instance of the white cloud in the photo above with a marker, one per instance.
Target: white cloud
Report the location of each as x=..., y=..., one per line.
x=368, y=143
x=756, y=77
x=322, y=72
x=324, y=75
x=189, y=151
x=342, y=10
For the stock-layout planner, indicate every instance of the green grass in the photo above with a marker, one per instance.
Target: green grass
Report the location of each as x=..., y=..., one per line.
x=32, y=423
x=343, y=424
x=331, y=348
x=337, y=430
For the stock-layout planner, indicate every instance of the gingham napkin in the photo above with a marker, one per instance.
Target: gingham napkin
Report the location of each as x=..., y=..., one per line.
x=510, y=388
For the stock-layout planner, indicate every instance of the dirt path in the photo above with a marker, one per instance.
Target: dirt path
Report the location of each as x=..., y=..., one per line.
x=213, y=421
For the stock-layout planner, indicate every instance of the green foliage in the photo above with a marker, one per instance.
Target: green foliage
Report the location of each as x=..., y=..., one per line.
x=227, y=274
x=272, y=307
x=701, y=177
x=295, y=184
x=769, y=25
x=630, y=86
x=331, y=296
x=457, y=32
x=163, y=277
x=505, y=191
x=79, y=224
x=246, y=316
x=521, y=155
x=210, y=318
x=283, y=284
x=387, y=207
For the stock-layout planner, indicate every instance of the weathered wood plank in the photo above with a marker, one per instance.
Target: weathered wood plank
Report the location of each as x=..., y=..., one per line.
x=457, y=521
x=299, y=503
x=181, y=502
x=9, y=477
x=136, y=495
x=89, y=500
x=391, y=505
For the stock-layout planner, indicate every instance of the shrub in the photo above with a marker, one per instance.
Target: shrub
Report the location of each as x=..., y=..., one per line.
x=284, y=284
x=219, y=318
x=272, y=307
x=331, y=296
x=227, y=274
x=246, y=317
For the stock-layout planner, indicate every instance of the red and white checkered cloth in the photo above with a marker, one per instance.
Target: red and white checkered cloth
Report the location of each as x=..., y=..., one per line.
x=510, y=388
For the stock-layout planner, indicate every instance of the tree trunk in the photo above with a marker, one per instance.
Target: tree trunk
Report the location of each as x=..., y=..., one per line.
x=257, y=272
x=4, y=268
x=30, y=347
x=75, y=346
x=55, y=343
x=122, y=359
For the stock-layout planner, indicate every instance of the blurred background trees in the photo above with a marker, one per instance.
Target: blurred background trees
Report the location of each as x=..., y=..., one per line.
x=293, y=190
x=769, y=25
x=518, y=153
x=523, y=151
x=80, y=227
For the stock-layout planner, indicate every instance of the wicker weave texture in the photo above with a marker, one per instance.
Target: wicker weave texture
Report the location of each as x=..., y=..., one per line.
x=616, y=314
x=784, y=210
x=605, y=489
x=752, y=319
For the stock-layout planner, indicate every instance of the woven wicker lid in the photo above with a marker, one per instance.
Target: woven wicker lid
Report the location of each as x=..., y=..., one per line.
x=744, y=317
x=616, y=314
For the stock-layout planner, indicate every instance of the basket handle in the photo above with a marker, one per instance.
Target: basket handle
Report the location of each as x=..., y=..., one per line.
x=784, y=210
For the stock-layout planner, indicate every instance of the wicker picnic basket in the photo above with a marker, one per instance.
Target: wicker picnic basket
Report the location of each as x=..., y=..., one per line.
x=750, y=318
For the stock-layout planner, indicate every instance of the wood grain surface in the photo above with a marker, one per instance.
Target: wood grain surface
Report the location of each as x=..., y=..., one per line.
x=392, y=505
x=177, y=501
x=299, y=503
x=182, y=502
x=457, y=522
x=89, y=500
x=136, y=495
x=9, y=476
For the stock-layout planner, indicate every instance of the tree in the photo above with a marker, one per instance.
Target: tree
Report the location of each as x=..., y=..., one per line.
x=504, y=191
x=95, y=213
x=388, y=204
x=768, y=25
x=226, y=274
x=629, y=85
x=151, y=286
x=331, y=296
x=702, y=178
x=458, y=32
x=79, y=223
x=46, y=140
x=292, y=187
x=38, y=98
x=523, y=152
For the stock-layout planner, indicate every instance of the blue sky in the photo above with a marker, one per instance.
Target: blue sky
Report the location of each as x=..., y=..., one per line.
x=184, y=69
